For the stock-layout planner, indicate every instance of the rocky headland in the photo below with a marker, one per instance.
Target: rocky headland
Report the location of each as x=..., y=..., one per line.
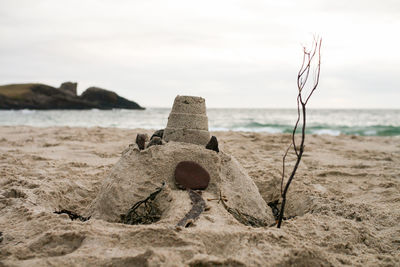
x=41, y=96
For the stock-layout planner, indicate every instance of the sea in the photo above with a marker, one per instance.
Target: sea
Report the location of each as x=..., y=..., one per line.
x=364, y=122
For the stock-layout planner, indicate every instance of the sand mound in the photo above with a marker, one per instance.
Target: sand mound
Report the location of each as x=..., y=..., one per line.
x=139, y=173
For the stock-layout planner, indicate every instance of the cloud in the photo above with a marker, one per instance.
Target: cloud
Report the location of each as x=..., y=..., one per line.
x=244, y=52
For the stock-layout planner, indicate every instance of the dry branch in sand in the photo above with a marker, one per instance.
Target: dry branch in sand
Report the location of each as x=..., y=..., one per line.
x=144, y=211
x=309, y=57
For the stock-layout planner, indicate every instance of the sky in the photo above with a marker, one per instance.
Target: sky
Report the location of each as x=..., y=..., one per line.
x=234, y=53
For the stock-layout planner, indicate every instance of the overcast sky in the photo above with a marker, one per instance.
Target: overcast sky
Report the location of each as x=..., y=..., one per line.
x=234, y=53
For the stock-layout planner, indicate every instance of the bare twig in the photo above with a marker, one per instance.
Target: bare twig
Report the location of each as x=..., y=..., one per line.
x=148, y=214
x=283, y=166
x=302, y=79
x=72, y=215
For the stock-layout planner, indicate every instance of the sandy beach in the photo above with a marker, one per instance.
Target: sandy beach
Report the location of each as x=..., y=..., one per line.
x=344, y=204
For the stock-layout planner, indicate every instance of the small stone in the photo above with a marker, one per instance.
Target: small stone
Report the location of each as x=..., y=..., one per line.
x=213, y=144
x=154, y=141
x=190, y=175
x=141, y=140
x=158, y=133
x=274, y=206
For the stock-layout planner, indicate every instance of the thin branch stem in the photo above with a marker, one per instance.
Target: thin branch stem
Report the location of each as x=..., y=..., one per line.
x=296, y=125
x=283, y=167
x=302, y=79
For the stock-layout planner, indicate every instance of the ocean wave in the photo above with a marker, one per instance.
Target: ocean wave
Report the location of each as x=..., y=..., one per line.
x=373, y=130
x=330, y=122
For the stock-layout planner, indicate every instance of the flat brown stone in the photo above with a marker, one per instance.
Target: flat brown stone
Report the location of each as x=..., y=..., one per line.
x=190, y=175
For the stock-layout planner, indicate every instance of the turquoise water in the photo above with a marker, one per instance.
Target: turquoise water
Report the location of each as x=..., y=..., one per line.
x=319, y=121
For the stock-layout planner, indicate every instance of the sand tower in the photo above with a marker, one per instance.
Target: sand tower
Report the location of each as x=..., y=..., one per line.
x=229, y=197
x=188, y=121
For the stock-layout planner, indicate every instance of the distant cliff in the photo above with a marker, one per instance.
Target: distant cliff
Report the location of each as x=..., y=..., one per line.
x=41, y=96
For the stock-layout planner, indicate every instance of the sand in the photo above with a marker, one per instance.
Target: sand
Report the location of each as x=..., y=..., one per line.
x=345, y=200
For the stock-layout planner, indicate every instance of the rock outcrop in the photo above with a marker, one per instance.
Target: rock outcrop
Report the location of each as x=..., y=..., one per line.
x=41, y=96
x=107, y=99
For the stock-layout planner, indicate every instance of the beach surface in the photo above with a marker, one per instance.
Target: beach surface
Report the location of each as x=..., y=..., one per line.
x=343, y=207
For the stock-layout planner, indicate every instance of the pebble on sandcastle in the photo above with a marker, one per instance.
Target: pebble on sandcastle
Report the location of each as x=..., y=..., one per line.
x=228, y=195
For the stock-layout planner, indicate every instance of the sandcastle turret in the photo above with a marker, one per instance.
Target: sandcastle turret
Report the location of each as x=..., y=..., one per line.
x=188, y=121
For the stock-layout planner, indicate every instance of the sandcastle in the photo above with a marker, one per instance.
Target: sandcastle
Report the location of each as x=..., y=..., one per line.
x=229, y=197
